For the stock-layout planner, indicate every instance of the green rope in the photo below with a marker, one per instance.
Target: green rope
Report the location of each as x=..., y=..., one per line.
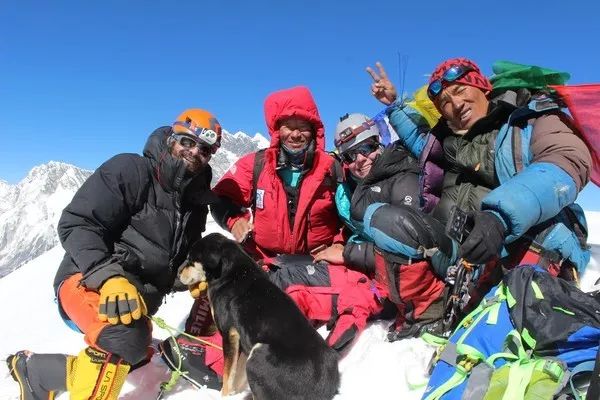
x=162, y=324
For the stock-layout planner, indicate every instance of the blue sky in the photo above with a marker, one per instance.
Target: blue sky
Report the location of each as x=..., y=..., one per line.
x=83, y=80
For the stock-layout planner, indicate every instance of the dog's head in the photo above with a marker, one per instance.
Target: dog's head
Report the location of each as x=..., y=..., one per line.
x=206, y=260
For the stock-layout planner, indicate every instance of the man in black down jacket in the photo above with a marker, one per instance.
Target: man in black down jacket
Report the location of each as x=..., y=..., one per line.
x=125, y=233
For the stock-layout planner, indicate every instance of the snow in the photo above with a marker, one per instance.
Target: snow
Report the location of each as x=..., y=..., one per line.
x=373, y=368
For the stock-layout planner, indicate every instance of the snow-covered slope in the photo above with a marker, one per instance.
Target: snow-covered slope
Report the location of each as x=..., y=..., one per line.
x=372, y=369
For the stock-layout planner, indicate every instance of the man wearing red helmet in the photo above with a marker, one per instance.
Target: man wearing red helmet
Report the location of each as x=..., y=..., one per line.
x=509, y=158
x=118, y=266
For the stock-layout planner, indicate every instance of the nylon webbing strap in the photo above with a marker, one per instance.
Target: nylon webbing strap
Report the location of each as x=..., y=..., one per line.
x=464, y=358
x=587, y=366
x=519, y=376
x=449, y=354
x=456, y=379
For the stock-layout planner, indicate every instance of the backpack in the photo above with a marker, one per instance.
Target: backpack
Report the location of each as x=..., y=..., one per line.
x=528, y=339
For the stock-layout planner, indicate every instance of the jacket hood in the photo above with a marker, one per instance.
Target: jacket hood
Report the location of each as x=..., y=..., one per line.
x=168, y=170
x=296, y=101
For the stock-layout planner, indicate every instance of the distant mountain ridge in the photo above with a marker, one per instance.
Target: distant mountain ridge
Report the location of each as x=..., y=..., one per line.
x=30, y=210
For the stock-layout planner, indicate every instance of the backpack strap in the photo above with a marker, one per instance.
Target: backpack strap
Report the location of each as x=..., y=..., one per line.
x=336, y=171
x=259, y=162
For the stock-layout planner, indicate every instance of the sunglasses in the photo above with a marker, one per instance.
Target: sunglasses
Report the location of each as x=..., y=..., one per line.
x=205, y=135
x=189, y=143
x=450, y=75
x=363, y=149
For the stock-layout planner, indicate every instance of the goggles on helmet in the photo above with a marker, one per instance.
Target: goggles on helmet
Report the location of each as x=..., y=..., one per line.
x=350, y=133
x=205, y=135
x=190, y=142
x=363, y=149
x=453, y=73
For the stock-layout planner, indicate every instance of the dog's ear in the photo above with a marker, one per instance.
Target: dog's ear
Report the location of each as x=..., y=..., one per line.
x=217, y=254
x=195, y=252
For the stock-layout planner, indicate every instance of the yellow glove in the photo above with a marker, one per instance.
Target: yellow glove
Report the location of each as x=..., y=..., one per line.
x=120, y=302
x=198, y=289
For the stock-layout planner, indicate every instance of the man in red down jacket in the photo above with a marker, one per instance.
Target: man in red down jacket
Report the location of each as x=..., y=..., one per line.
x=291, y=212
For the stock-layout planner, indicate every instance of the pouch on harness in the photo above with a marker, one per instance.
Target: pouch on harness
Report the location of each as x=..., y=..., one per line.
x=529, y=337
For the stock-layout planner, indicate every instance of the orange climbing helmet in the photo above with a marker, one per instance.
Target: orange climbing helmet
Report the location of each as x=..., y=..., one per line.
x=200, y=124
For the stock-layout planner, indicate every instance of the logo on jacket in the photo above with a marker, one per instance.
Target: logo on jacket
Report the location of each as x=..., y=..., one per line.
x=376, y=189
x=260, y=198
x=408, y=200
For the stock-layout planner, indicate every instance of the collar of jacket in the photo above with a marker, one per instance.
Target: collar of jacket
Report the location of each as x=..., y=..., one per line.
x=393, y=160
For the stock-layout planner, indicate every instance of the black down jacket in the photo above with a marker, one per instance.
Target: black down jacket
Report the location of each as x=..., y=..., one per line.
x=135, y=216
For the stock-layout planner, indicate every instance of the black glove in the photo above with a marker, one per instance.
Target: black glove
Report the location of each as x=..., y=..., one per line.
x=485, y=239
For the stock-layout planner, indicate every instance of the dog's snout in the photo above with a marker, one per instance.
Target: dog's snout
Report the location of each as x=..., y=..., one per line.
x=192, y=274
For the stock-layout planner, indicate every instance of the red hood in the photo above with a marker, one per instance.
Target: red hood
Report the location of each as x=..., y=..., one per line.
x=297, y=101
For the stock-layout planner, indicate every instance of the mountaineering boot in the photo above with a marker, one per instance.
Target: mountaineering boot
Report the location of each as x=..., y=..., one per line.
x=201, y=359
x=194, y=358
x=40, y=376
x=95, y=374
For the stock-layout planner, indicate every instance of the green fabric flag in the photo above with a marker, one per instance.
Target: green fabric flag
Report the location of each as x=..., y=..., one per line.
x=510, y=75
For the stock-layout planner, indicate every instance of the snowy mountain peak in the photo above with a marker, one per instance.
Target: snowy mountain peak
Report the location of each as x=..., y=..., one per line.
x=261, y=141
x=233, y=146
x=47, y=178
x=29, y=211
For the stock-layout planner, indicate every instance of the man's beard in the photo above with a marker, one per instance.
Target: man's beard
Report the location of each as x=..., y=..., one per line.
x=195, y=165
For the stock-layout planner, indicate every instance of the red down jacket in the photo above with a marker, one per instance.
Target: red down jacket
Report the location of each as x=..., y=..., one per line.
x=316, y=221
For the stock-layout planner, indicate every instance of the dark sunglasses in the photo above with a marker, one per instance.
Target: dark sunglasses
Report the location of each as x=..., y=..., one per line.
x=364, y=149
x=189, y=143
x=450, y=75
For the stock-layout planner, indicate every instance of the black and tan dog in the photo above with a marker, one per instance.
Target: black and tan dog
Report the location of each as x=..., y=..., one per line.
x=286, y=357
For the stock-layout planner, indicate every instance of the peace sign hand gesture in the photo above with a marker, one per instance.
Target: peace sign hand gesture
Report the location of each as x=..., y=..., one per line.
x=382, y=88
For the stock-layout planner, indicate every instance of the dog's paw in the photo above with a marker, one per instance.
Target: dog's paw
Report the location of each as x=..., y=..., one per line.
x=198, y=289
